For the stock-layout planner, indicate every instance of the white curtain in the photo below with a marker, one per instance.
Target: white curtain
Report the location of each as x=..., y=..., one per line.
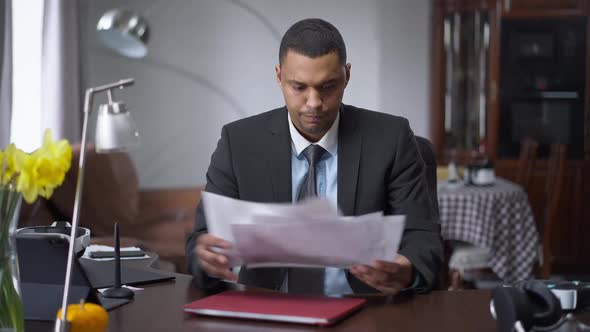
x=5, y=71
x=60, y=81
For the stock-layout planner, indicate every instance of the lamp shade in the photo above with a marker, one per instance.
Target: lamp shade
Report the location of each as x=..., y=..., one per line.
x=125, y=32
x=115, y=129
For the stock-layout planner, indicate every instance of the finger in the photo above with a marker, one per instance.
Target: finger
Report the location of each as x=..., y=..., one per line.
x=229, y=275
x=359, y=275
x=359, y=268
x=360, y=271
x=367, y=274
x=218, y=272
x=391, y=289
x=211, y=270
x=385, y=266
x=367, y=280
x=212, y=257
x=380, y=277
x=376, y=275
x=384, y=282
x=209, y=240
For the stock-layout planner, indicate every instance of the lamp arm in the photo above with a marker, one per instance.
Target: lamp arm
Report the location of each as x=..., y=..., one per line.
x=61, y=323
x=120, y=84
x=88, y=98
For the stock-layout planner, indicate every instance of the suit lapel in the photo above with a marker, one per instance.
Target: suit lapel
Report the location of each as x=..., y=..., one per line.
x=349, y=154
x=278, y=164
x=278, y=158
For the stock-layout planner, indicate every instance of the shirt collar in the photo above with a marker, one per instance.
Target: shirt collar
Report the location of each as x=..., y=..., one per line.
x=329, y=141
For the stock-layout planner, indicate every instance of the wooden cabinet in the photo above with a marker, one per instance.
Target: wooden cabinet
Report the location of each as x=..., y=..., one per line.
x=464, y=57
x=452, y=6
x=569, y=243
x=550, y=8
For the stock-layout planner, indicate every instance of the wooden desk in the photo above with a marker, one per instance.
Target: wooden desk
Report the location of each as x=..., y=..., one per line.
x=159, y=308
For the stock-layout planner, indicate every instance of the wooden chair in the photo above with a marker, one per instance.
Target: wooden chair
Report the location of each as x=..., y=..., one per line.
x=553, y=190
x=526, y=162
x=427, y=152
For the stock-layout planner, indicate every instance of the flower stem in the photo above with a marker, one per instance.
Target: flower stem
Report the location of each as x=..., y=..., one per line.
x=11, y=307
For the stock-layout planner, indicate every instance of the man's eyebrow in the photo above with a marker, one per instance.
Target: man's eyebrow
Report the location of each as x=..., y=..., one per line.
x=295, y=82
x=332, y=80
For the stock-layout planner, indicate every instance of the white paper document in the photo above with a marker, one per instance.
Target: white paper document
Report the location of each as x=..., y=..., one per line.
x=310, y=233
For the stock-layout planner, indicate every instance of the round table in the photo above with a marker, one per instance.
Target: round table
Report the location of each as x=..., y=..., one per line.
x=497, y=217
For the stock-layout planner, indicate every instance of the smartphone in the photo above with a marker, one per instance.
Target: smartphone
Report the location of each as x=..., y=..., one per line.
x=111, y=253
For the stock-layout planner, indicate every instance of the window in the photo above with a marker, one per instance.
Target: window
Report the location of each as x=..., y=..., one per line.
x=27, y=23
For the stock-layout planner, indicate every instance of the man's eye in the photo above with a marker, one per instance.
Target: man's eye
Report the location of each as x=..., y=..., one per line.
x=299, y=87
x=328, y=86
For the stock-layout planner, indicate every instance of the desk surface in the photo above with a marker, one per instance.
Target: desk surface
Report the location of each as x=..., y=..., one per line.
x=159, y=308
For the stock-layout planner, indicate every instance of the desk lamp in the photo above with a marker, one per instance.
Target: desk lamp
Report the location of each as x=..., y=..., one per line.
x=125, y=32
x=115, y=132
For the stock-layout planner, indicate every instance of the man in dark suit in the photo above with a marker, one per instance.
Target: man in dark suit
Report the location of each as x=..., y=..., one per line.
x=369, y=162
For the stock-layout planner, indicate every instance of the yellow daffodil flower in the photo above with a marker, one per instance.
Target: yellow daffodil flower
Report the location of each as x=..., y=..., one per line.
x=14, y=160
x=40, y=172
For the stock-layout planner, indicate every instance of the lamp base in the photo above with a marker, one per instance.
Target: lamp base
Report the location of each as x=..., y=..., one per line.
x=118, y=293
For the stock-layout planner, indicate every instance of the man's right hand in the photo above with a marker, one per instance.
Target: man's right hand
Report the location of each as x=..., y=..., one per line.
x=213, y=263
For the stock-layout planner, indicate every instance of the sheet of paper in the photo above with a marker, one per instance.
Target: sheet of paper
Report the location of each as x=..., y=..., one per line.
x=309, y=233
x=222, y=212
x=339, y=242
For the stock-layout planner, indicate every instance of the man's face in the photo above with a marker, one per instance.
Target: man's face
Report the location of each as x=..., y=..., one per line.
x=313, y=90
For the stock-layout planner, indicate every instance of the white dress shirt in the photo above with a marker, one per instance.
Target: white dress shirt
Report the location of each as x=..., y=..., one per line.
x=335, y=282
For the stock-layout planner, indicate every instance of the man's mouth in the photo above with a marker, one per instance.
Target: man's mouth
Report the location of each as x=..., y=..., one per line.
x=312, y=118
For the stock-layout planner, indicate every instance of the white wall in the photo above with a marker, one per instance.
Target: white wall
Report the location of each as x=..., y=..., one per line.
x=404, y=37
x=212, y=61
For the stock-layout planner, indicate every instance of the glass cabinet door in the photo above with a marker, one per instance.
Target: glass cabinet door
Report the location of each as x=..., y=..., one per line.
x=466, y=43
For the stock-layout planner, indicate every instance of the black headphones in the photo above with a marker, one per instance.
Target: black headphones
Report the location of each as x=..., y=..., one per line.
x=524, y=306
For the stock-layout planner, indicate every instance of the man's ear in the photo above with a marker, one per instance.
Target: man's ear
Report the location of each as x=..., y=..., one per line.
x=278, y=73
x=347, y=73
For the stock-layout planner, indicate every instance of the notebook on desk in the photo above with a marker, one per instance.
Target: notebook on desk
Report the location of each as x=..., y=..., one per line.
x=278, y=307
x=101, y=274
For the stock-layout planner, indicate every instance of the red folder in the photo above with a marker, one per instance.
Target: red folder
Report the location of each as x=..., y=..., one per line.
x=279, y=307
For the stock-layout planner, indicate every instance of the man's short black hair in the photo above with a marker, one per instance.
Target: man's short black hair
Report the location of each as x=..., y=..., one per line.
x=313, y=38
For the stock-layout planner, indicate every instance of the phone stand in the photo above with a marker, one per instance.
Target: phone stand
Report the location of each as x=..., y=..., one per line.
x=118, y=292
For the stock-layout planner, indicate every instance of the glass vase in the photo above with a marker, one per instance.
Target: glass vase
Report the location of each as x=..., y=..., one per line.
x=11, y=307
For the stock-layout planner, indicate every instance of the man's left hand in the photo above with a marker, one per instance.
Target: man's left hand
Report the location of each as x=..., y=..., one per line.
x=386, y=277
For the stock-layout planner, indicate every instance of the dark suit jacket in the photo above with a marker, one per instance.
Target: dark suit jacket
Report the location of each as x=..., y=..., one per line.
x=379, y=169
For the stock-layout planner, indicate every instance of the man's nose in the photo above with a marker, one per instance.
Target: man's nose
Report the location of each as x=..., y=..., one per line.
x=314, y=100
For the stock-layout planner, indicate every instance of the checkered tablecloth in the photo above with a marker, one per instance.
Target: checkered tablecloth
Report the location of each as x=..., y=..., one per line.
x=497, y=217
